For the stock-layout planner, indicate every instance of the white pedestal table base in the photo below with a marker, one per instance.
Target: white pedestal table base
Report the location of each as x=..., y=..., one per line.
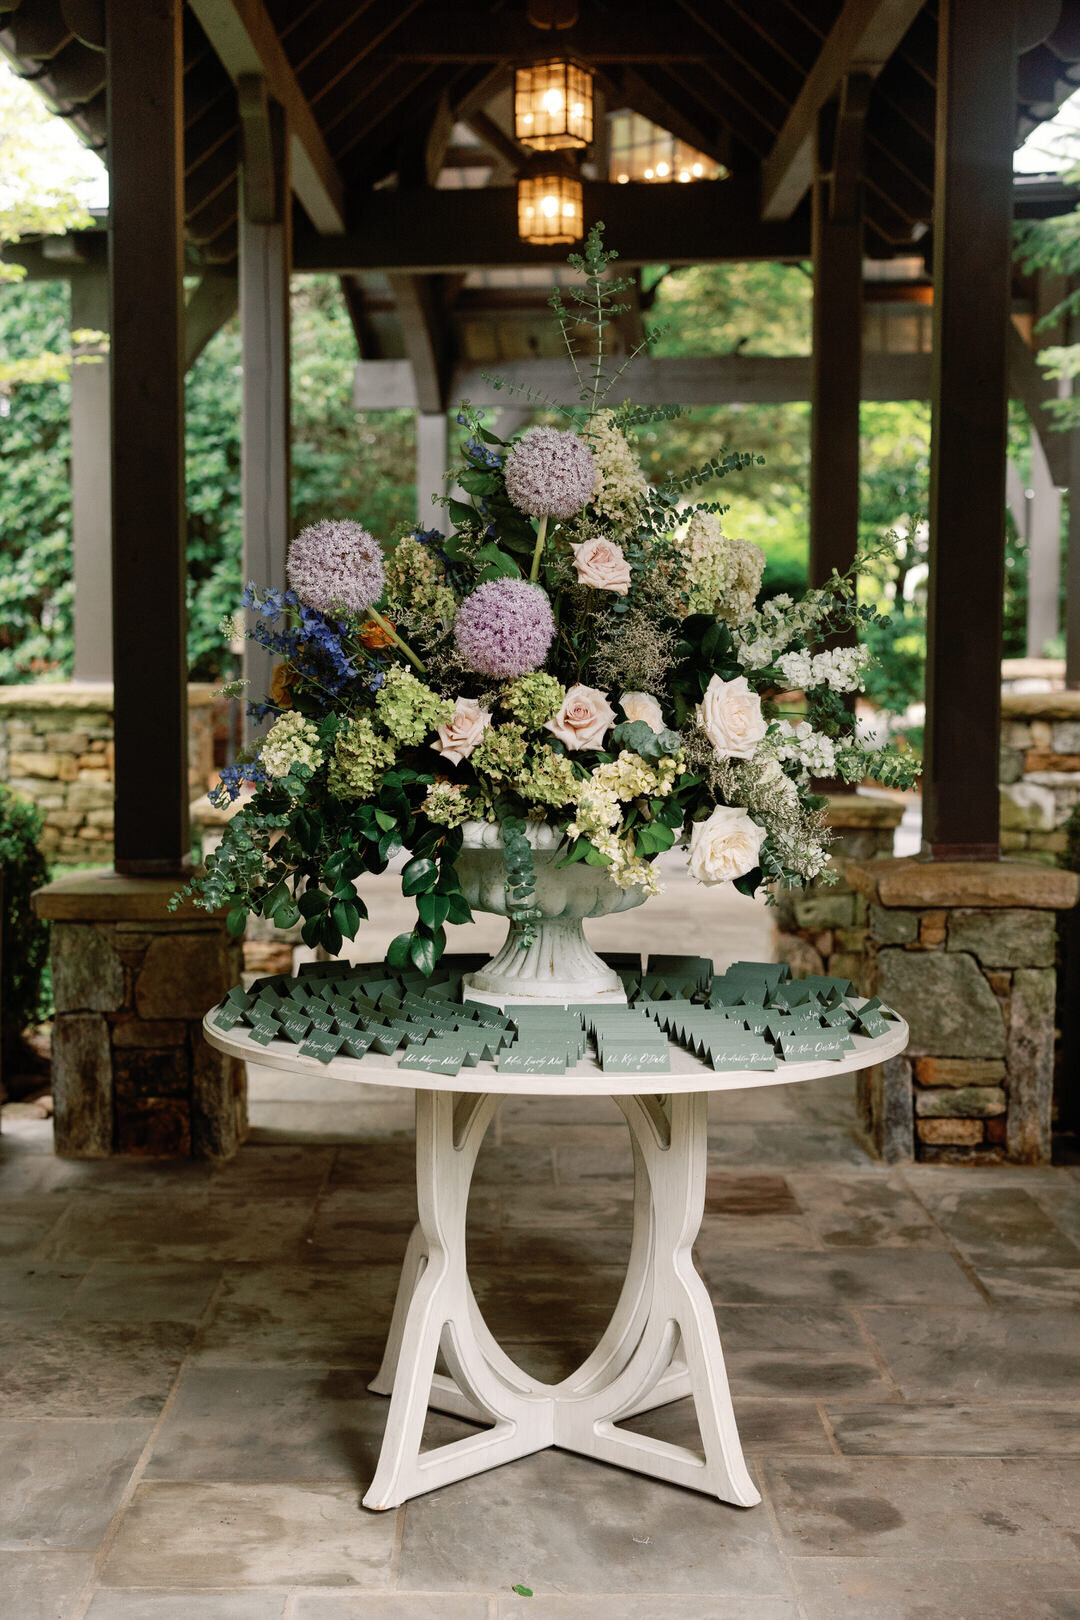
x=661, y=1344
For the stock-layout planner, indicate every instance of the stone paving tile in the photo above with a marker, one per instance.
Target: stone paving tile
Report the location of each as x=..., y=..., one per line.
x=563, y=1524
x=159, y=1229
x=507, y=1164
x=374, y=1164
x=186, y=1606
x=26, y=1222
x=563, y=1249
x=721, y=1232
x=289, y=1315
x=1061, y=1201
x=113, y=1291
x=954, y=1430
x=576, y=1207
x=838, y=1277
x=566, y=1112
x=728, y=1193
x=88, y=1369
x=979, y=1355
x=921, y=1588
x=278, y=1424
x=261, y=1171
x=652, y=1607
x=788, y=1147
x=224, y=1535
x=999, y=1226
x=597, y=1152
x=544, y=1303
x=865, y=1212
x=28, y=1288
x=42, y=1585
x=973, y=1507
x=758, y=1105
x=60, y=1483
x=279, y=1123
x=373, y=1223
x=770, y=1428
x=1033, y=1287
x=793, y=1351
x=390, y=1606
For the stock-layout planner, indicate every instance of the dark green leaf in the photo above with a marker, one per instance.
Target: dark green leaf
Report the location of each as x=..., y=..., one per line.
x=432, y=909
x=236, y=921
x=397, y=955
x=419, y=876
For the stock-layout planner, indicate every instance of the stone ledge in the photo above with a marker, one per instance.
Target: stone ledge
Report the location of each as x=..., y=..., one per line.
x=205, y=814
x=108, y=896
x=84, y=695
x=915, y=881
x=858, y=810
x=1040, y=705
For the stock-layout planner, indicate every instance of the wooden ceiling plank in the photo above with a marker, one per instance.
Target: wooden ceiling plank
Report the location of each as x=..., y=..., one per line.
x=246, y=43
x=375, y=109
x=755, y=54
x=863, y=38
x=352, y=44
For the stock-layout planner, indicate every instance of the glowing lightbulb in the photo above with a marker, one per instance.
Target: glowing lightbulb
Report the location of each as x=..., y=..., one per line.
x=624, y=179
x=648, y=174
x=568, y=210
x=553, y=101
x=526, y=118
x=698, y=170
x=684, y=174
x=577, y=109
x=662, y=169
x=549, y=206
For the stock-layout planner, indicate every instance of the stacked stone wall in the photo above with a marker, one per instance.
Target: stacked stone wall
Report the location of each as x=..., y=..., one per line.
x=56, y=749
x=1040, y=773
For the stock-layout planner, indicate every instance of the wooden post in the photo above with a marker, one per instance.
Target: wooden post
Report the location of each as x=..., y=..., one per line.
x=431, y=454
x=145, y=107
x=1044, y=553
x=265, y=264
x=91, y=500
x=1072, y=575
x=836, y=362
x=976, y=129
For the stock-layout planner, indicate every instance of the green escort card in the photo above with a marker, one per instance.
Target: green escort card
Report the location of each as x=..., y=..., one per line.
x=531, y=1059
x=227, y=1016
x=239, y=997
x=838, y=1018
x=807, y=1046
x=634, y=1057
x=322, y=1044
x=295, y=1028
x=753, y=1016
x=697, y=968
x=728, y=1052
x=872, y=1024
x=355, y=1044
x=263, y=1034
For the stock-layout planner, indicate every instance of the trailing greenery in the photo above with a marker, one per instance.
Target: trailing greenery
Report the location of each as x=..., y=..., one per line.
x=25, y=941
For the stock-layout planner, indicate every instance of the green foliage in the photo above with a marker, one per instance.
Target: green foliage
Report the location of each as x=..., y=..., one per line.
x=520, y=878
x=25, y=943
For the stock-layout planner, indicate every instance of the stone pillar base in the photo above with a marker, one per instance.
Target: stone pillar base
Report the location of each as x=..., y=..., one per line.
x=131, y=982
x=964, y=950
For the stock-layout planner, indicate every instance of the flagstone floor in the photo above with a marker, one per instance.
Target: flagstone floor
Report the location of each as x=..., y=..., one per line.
x=185, y=1431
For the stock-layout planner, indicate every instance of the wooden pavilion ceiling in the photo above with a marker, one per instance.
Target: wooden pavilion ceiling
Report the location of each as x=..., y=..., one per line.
x=382, y=84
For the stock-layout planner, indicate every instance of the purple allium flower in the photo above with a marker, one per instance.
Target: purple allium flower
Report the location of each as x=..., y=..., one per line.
x=550, y=474
x=336, y=567
x=505, y=627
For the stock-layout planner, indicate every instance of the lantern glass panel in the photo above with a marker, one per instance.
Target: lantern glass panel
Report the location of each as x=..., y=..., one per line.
x=553, y=106
x=550, y=208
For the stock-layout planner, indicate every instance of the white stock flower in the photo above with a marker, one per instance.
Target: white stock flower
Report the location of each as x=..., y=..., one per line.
x=642, y=706
x=730, y=715
x=725, y=846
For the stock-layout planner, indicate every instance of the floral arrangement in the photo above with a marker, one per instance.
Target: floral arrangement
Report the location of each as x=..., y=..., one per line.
x=585, y=649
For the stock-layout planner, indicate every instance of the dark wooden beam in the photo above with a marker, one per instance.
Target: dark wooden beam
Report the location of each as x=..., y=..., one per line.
x=424, y=231
x=976, y=121
x=214, y=301
x=631, y=33
x=247, y=43
x=862, y=39
x=147, y=366
x=421, y=312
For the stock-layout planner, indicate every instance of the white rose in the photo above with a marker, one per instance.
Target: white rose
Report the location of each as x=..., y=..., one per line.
x=602, y=563
x=725, y=846
x=642, y=706
x=730, y=715
x=461, y=733
x=584, y=718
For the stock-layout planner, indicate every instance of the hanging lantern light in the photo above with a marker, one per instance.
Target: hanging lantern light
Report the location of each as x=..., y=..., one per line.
x=553, y=105
x=550, y=203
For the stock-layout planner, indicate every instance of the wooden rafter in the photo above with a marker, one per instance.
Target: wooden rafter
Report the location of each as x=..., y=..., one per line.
x=246, y=43
x=864, y=36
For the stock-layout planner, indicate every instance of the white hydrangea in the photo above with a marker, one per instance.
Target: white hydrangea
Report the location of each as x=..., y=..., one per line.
x=621, y=486
x=843, y=669
x=724, y=574
x=292, y=740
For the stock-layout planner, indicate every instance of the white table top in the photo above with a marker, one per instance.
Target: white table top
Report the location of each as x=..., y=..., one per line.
x=586, y=1079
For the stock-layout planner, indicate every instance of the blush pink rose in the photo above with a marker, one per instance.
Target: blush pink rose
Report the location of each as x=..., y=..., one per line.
x=461, y=733
x=601, y=563
x=585, y=716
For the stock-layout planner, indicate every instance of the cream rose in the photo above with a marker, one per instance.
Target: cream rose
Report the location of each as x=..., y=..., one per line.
x=601, y=563
x=725, y=846
x=461, y=733
x=642, y=706
x=730, y=715
x=583, y=719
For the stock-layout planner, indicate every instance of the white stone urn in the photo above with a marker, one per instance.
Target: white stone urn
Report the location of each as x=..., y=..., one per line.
x=559, y=965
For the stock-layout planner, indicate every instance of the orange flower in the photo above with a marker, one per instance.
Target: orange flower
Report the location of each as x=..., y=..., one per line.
x=374, y=637
x=282, y=682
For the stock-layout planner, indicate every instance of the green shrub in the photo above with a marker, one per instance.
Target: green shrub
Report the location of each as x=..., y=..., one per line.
x=25, y=936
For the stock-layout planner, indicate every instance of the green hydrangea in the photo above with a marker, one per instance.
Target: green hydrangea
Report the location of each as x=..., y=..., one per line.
x=416, y=581
x=549, y=778
x=449, y=804
x=501, y=752
x=408, y=709
x=360, y=758
x=533, y=699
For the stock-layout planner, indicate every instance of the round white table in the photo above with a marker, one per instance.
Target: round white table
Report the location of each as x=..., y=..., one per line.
x=662, y=1342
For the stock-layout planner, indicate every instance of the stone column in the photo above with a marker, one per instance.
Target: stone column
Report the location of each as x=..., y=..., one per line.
x=964, y=950
x=132, y=981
